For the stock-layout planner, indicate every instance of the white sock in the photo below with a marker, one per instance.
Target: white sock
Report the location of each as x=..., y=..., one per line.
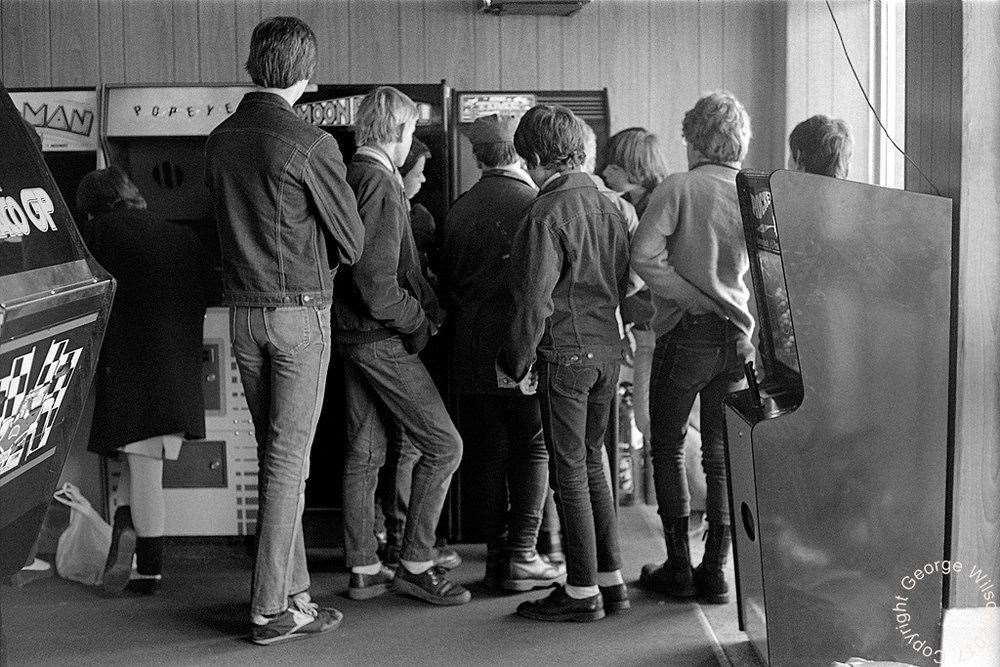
x=581, y=592
x=374, y=568
x=416, y=566
x=610, y=578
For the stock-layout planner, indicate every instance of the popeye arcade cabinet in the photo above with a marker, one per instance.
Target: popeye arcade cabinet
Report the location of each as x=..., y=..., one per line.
x=54, y=305
x=837, y=452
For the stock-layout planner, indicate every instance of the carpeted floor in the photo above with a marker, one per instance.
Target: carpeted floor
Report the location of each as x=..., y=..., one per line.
x=200, y=618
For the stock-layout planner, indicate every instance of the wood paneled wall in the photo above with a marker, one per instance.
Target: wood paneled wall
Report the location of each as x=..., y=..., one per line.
x=819, y=79
x=654, y=56
x=976, y=519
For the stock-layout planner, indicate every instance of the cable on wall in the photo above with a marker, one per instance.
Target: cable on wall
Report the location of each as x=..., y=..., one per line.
x=864, y=93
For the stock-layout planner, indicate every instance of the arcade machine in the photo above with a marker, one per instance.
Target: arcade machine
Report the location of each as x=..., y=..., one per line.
x=837, y=451
x=66, y=121
x=54, y=304
x=333, y=107
x=592, y=107
x=157, y=135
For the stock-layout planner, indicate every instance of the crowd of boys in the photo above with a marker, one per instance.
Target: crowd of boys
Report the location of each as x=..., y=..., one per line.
x=320, y=258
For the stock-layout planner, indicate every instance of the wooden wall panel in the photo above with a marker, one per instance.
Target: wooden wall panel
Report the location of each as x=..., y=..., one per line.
x=188, y=45
x=111, y=41
x=149, y=41
x=26, y=43
x=77, y=59
x=625, y=68
x=219, y=58
x=374, y=40
x=819, y=79
x=654, y=56
x=518, y=52
x=976, y=517
x=331, y=23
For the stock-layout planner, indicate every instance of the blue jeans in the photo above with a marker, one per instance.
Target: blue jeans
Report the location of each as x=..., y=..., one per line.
x=576, y=404
x=702, y=355
x=283, y=355
x=388, y=388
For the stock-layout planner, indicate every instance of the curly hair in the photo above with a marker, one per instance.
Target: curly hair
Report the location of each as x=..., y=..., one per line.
x=550, y=136
x=282, y=52
x=718, y=127
x=822, y=145
x=639, y=153
x=381, y=116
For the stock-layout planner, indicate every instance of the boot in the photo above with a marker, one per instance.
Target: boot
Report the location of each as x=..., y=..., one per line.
x=674, y=578
x=527, y=571
x=496, y=567
x=709, y=577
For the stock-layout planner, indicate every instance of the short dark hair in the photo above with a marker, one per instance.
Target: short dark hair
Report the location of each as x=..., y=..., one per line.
x=282, y=52
x=496, y=154
x=105, y=190
x=550, y=136
x=822, y=145
x=418, y=149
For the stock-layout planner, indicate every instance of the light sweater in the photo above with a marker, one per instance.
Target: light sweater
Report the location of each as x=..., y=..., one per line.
x=690, y=248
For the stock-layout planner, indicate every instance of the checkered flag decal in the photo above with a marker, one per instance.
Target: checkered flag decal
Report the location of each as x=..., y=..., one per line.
x=28, y=416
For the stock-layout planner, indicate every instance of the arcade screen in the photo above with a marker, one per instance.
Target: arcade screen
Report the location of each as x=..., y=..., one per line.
x=777, y=333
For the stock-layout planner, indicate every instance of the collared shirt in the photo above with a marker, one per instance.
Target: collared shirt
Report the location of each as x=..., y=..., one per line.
x=382, y=158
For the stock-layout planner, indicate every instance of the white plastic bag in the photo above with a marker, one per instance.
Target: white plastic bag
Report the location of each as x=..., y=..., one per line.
x=83, y=547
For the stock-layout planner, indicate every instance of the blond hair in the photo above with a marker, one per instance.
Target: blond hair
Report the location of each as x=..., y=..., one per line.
x=381, y=116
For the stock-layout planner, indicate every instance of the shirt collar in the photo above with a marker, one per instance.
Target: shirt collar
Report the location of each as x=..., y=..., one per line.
x=513, y=172
x=380, y=156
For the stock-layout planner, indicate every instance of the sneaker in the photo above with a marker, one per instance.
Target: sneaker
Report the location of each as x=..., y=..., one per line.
x=710, y=585
x=294, y=622
x=558, y=606
x=664, y=579
x=430, y=586
x=367, y=586
x=615, y=598
x=118, y=566
x=531, y=572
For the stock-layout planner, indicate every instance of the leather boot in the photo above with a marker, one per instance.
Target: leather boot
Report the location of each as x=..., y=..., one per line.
x=709, y=577
x=674, y=577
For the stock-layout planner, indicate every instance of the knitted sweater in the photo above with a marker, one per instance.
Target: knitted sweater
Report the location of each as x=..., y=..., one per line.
x=690, y=248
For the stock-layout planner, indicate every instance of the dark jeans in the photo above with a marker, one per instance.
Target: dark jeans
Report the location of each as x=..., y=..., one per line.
x=506, y=466
x=576, y=404
x=283, y=355
x=703, y=355
x=392, y=496
x=388, y=388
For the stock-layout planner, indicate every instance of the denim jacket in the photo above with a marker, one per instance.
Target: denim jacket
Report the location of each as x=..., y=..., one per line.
x=285, y=215
x=570, y=263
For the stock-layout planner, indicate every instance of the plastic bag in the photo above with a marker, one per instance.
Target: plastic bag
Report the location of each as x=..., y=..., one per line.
x=83, y=547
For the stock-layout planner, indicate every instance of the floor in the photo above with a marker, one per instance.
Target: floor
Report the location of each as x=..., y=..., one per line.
x=199, y=618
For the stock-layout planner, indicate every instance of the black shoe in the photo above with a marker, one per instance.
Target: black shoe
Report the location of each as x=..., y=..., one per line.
x=711, y=585
x=143, y=586
x=293, y=623
x=118, y=566
x=615, y=598
x=430, y=586
x=558, y=606
x=675, y=583
x=368, y=586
